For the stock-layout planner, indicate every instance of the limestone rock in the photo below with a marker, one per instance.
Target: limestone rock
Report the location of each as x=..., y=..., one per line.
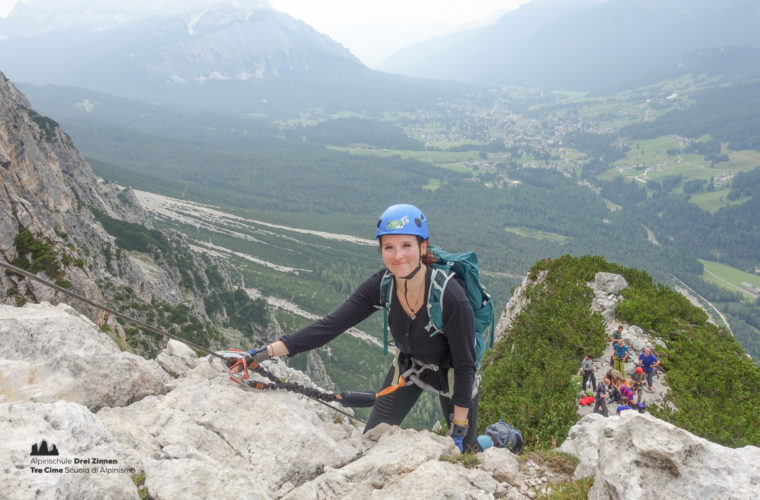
x=501, y=464
x=636, y=339
x=54, y=353
x=49, y=189
x=609, y=283
x=607, y=288
x=582, y=442
x=208, y=434
x=177, y=358
x=400, y=464
x=76, y=434
x=640, y=456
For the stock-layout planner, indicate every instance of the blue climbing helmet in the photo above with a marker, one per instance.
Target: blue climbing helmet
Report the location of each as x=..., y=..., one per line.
x=402, y=219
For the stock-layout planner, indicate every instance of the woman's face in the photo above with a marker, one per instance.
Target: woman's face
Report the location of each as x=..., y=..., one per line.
x=401, y=253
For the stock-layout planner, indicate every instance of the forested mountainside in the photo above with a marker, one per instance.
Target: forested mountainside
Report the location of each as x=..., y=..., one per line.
x=64, y=224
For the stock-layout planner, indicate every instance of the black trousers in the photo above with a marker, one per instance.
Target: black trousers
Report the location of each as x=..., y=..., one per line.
x=586, y=376
x=392, y=408
x=600, y=406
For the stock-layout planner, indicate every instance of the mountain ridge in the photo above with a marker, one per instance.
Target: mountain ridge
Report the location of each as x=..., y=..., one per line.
x=80, y=232
x=556, y=46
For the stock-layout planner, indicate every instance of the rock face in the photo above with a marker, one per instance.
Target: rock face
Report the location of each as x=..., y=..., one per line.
x=516, y=302
x=48, y=192
x=49, y=354
x=637, y=456
x=49, y=188
x=400, y=464
x=197, y=434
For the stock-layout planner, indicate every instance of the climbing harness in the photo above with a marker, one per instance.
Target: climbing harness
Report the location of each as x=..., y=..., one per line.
x=412, y=374
x=232, y=359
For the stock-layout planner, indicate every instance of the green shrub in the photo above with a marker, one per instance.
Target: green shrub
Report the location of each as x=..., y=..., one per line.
x=131, y=236
x=43, y=256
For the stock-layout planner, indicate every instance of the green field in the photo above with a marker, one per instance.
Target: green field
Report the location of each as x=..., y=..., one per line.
x=715, y=200
x=650, y=157
x=451, y=160
x=729, y=277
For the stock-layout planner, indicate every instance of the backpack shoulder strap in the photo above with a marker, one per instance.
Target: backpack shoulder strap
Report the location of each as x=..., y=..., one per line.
x=386, y=289
x=439, y=278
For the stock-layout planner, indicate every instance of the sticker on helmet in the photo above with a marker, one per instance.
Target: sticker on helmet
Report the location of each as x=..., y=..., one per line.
x=397, y=224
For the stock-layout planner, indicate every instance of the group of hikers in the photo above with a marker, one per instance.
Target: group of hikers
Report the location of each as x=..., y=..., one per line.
x=616, y=387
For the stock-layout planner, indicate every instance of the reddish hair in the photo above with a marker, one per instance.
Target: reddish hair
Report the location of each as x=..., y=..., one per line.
x=429, y=257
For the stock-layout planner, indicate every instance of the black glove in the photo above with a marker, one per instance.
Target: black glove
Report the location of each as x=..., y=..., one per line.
x=257, y=355
x=254, y=355
x=457, y=433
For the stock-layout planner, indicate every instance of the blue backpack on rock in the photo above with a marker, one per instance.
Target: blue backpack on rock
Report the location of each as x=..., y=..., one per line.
x=464, y=267
x=502, y=435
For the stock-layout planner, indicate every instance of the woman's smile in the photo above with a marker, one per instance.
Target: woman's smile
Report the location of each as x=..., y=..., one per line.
x=401, y=253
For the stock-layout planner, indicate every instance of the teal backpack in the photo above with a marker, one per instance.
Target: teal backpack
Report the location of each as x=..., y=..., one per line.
x=464, y=267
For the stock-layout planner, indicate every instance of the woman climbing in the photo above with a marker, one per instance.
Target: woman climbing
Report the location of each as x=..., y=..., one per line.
x=442, y=361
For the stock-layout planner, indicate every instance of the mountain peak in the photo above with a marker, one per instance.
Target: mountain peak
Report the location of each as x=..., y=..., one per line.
x=35, y=17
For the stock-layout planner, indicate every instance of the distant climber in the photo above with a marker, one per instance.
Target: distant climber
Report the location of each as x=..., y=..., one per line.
x=615, y=377
x=587, y=371
x=621, y=356
x=602, y=393
x=616, y=335
x=625, y=405
x=626, y=393
x=649, y=362
x=637, y=382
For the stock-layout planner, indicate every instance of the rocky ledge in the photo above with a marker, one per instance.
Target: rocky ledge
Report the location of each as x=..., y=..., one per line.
x=178, y=428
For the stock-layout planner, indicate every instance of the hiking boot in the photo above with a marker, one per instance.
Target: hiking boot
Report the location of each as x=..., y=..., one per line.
x=649, y=389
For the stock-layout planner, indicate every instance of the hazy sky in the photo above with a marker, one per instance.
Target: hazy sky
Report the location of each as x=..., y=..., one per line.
x=375, y=29
x=371, y=29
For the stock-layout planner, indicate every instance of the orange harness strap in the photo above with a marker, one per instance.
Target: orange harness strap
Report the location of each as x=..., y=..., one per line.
x=392, y=388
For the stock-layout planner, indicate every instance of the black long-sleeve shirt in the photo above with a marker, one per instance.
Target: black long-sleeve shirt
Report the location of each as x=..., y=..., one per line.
x=454, y=347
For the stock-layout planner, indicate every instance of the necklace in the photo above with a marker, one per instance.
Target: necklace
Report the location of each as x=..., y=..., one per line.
x=415, y=303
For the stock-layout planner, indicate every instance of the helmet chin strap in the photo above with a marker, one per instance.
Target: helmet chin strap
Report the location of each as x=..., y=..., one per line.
x=406, y=281
x=413, y=273
x=406, y=287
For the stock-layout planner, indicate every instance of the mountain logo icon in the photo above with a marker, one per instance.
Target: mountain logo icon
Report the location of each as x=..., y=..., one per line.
x=44, y=449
